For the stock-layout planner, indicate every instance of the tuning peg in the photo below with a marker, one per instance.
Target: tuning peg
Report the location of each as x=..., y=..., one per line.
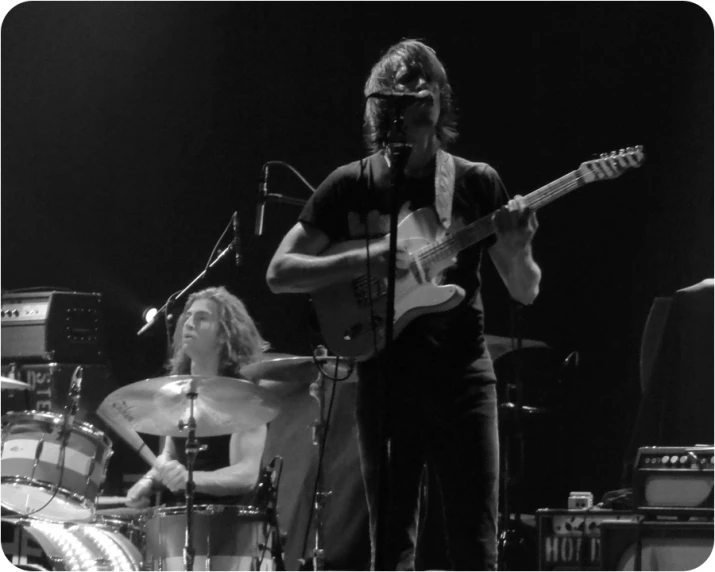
x=629, y=149
x=603, y=156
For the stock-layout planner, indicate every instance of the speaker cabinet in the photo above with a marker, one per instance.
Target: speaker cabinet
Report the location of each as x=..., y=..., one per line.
x=660, y=545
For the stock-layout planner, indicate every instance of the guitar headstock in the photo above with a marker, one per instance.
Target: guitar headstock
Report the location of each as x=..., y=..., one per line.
x=613, y=165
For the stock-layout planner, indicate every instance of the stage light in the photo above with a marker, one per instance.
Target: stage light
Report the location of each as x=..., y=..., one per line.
x=149, y=314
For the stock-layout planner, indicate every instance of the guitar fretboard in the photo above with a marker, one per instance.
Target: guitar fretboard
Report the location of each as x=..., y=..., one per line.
x=480, y=229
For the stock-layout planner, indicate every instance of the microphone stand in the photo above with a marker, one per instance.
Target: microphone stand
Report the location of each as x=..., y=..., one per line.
x=223, y=253
x=398, y=152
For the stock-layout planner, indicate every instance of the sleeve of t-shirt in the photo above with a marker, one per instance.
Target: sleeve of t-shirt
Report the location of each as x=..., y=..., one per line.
x=321, y=210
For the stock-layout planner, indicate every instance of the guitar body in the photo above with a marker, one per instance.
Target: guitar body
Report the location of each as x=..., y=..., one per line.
x=344, y=311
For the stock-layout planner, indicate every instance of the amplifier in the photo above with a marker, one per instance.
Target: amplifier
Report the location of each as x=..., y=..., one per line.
x=52, y=326
x=49, y=388
x=571, y=539
x=674, y=480
x=656, y=545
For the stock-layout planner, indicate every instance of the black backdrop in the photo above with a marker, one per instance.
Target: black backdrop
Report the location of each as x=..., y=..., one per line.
x=132, y=131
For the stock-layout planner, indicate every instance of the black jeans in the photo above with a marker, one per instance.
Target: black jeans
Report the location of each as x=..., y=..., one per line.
x=441, y=415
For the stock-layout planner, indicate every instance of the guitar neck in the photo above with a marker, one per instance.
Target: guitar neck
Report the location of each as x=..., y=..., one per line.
x=482, y=228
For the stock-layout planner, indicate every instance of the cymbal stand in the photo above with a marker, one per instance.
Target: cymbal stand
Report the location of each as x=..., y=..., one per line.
x=511, y=542
x=317, y=391
x=192, y=449
x=266, y=498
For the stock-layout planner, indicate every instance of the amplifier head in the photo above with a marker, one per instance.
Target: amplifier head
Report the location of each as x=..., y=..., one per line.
x=674, y=480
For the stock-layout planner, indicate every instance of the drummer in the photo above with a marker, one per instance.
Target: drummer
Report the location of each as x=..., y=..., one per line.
x=215, y=336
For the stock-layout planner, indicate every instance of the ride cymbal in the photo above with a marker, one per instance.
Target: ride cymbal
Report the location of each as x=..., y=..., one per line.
x=296, y=369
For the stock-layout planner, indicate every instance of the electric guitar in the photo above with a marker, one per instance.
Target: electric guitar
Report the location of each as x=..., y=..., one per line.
x=348, y=312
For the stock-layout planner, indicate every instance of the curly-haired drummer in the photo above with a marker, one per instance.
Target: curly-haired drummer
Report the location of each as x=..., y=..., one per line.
x=215, y=336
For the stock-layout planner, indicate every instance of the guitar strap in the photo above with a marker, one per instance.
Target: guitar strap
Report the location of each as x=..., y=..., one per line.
x=444, y=187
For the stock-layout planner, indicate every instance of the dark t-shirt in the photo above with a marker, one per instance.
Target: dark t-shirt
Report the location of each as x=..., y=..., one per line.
x=354, y=202
x=216, y=456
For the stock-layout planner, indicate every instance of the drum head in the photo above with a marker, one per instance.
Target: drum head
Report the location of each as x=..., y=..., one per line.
x=25, y=499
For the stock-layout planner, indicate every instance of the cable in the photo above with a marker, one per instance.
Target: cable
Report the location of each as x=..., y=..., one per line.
x=291, y=168
x=57, y=486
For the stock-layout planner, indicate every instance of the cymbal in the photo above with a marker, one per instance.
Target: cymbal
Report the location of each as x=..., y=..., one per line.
x=510, y=407
x=295, y=369
x=10, y=383
x=501, y=345
x=223, y=405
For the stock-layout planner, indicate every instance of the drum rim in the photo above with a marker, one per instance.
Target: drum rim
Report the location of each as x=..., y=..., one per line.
x=206, y=509
x=101, y=520
x=81, y=426
x=83, y=501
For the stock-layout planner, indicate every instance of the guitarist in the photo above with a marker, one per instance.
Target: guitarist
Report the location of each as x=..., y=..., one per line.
x=441, y=402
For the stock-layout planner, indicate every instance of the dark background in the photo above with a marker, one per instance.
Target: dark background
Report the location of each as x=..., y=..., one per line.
x=131, y=132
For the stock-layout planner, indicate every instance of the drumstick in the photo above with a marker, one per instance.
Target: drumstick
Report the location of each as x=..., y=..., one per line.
x=111, y=500
x=128, y=435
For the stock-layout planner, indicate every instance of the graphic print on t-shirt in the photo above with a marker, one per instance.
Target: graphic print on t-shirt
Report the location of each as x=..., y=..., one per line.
x=378, y=224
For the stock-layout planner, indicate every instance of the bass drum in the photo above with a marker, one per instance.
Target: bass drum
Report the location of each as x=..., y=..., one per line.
x=42, y=545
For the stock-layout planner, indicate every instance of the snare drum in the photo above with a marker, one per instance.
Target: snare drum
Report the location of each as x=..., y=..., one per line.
x=35, y=480
x=129, y=522
x=41, y=545
x=225, y=538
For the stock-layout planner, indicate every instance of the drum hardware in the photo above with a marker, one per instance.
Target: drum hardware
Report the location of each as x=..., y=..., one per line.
x=192, y=450
x=71, y=408
x=283, y=370
x=266, y=498
x=512, y=553
x=320, y=433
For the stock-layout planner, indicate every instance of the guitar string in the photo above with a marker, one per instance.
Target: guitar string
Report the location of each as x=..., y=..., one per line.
x=549, y=192
x=434, y=251
x=546, y=194
x=484, y=224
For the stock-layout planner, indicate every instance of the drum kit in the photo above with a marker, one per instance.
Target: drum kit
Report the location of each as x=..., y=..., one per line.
x=53, y=469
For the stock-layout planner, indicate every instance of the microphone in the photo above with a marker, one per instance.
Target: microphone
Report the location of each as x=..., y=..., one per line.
x=404, y=97
x=262, y=198
x=236, y=239
x=71, y=408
